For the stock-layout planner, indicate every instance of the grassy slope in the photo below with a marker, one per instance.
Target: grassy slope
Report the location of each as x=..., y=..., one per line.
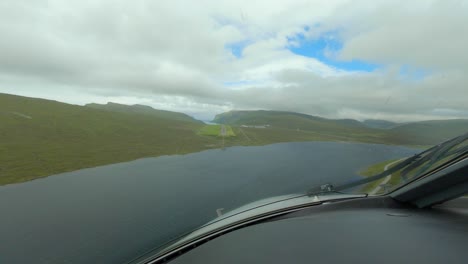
x=427, y=132
x=300, y=127
x=295, y=127
x=229, y=131
x=382, y=124
x=374, y=170
x=215, y=130
x=61, y=137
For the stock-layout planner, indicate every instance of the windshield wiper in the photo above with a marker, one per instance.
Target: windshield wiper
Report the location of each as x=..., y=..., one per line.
x=425, y=159
x=441, y=151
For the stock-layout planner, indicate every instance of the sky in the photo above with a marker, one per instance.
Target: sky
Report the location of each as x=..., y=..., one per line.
x=395, y=60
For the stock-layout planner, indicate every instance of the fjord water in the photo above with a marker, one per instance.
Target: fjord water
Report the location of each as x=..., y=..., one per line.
x=111, y=214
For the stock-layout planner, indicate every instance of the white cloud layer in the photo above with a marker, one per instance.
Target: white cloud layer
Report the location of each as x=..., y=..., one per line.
x=175, y=55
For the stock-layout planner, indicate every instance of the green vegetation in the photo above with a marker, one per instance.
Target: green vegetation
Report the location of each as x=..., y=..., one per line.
x=376, y=169
x=215, y=130
x=427, y=132
x=286, y=126
x=419, y=134
x=229, y=132
x=382, y=124
x=42, y=137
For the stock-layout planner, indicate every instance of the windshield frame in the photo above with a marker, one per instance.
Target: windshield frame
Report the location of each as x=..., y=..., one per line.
x=418, y=159
x=239, y=219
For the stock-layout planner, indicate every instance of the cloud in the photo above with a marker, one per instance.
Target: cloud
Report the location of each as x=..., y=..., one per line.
x=178, y=55
x=425, y=34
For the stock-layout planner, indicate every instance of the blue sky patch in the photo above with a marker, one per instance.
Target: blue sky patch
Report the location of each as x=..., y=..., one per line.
x=239, y=83
x=412, y=73
x=237, y=48
x=323, y=49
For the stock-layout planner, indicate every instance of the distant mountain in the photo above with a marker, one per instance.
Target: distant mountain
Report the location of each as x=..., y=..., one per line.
x=290, y=120
x=427, y=132
x=143, y=109
x=43, y=137
x=381, y=124
x=290, y=126
x=378, y=131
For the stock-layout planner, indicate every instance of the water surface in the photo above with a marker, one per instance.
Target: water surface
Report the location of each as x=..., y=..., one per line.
x=111, y=214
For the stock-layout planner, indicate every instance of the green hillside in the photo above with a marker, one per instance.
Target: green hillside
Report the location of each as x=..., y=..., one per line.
x=288, y=120
x=417, y=133
x=381, y=124
x=427, y=132
x=41, y=137
x=302, y=125
x=216, y=130
x=143, y=109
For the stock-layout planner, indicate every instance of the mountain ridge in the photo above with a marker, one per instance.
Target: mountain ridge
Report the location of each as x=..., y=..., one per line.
x=142, y=109
x=420, y=132
x=43, y=137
